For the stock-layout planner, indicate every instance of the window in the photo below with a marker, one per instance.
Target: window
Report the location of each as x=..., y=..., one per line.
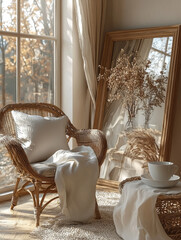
x=160, y=54
x=28, y=47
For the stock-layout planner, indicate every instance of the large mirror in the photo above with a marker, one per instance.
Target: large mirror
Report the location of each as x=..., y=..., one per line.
x=136, y=90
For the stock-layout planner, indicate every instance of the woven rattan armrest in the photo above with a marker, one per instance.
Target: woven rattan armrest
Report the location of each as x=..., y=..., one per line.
x=121, y=185
x=20, y=159
x=95, y=139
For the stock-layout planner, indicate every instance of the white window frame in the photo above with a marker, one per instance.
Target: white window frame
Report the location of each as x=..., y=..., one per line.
x=56, y=40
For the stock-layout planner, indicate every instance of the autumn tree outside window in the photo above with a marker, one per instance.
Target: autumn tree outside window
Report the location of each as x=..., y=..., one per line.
x=27, y=46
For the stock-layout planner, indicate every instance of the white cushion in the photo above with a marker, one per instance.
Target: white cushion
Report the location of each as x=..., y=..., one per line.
x=41, y=136
x=45, y=169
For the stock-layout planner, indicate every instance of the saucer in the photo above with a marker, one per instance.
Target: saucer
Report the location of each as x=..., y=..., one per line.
x=147, y=179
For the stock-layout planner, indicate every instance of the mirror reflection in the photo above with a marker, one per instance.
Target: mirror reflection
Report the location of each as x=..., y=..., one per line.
x=133, y=120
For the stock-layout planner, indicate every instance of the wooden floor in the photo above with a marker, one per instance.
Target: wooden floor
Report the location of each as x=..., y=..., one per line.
x=17, y=224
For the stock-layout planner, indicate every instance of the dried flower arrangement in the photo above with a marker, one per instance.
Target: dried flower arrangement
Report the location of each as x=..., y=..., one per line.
x=131, y=81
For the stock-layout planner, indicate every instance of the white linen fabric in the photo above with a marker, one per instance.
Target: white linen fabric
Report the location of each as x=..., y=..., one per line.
x=40, y=136
x=135, y=216
x=76, y=175
x=90, y=18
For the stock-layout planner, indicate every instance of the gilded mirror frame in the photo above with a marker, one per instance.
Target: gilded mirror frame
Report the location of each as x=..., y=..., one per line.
x=110, y=39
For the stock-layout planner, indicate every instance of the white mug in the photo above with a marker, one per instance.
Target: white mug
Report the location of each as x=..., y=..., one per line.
x=162, y=171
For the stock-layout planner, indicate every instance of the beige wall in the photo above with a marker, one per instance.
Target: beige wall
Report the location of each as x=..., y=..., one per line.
x=128, y=14
x=131, y=14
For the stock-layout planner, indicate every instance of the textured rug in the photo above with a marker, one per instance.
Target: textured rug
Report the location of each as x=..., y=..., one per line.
x=103, y=229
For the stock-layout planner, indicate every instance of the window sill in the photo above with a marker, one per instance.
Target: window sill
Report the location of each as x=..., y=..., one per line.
x=7, y=192
x=5, y=196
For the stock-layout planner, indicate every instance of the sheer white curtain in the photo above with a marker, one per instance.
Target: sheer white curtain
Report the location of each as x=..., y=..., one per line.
x=90, y=17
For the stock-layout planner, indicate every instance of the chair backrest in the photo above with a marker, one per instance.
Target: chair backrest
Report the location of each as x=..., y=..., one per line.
x=7, y=125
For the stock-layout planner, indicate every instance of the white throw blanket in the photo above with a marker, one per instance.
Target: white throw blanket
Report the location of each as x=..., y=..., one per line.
x=76, y=175
x=135, y=217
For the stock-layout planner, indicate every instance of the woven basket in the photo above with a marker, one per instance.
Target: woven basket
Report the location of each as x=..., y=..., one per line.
x=168, y=208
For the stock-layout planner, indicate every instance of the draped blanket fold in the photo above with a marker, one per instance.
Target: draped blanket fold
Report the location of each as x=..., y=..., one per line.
x=76, y=175
x=135, y=215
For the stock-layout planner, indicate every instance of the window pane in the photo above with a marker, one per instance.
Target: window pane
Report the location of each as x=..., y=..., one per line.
x=7, y=170
x=37, y=17
x=37, y=70
x=169, y=47
x=167, y=64
x=157, y=61
x=8, y=15
x=7, y=70
x=159, y=43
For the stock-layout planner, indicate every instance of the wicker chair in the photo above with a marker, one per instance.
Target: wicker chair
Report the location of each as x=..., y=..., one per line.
x=25, y=172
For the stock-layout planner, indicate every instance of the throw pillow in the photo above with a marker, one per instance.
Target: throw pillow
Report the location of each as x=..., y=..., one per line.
x=41, y=136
